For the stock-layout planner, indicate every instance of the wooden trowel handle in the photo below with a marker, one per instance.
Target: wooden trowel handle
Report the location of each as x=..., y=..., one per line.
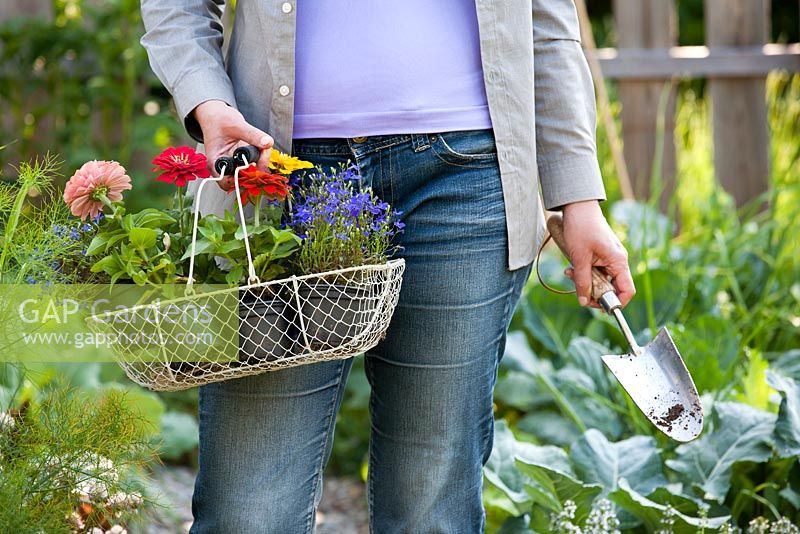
x=600, y=281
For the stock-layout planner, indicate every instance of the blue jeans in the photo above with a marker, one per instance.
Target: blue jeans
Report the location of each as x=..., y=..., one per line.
x=265, y=439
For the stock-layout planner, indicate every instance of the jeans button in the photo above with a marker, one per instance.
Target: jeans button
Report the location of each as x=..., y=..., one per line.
x=359, y=139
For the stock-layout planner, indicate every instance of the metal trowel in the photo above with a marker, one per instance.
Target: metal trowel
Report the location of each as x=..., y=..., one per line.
x=654, y=376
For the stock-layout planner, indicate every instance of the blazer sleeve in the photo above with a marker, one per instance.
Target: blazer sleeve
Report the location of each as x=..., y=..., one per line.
x=565, y=108
x=183, y=39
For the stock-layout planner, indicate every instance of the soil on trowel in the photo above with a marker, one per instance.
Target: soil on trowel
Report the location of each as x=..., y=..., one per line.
x=668, y=419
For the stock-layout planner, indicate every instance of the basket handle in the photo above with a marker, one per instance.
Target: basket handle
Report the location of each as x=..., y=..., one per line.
x=221, y=166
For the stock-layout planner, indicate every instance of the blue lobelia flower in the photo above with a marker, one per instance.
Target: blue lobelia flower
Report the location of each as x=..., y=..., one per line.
x=351, y=173
x=335, y=188
x=302, y=215
x=294, y=180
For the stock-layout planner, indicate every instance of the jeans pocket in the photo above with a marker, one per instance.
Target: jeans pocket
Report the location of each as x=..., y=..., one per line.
x=468, y=148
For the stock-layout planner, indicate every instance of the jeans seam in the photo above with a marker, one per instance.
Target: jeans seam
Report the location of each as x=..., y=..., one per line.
x=473, y=157
x=371, y=454
x=382, y=193
x=320, y=466
x=506, y=308
x=479, y=164
x=507, y=312
x=381, y=143
x=321, y=151
x=391, y=178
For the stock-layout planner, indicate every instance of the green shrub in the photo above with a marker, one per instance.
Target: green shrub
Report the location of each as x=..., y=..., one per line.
x=71, y=461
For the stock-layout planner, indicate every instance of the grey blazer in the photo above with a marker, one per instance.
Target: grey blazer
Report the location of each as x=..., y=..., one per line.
x=538, y=85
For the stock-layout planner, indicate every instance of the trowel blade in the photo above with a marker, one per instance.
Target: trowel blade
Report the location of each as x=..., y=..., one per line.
x=659, y=383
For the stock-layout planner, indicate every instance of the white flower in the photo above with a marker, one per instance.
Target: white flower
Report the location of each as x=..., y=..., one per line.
x=758, y=525
x=125, y=500
x=783, y=526
x=6, y=421
x=729, y=528
x=116, y=529
x=95, y=474
x=562, y=521
x=91, y=476
x=602, y=519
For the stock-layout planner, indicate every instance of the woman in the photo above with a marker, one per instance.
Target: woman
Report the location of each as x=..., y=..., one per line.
x=456, y=112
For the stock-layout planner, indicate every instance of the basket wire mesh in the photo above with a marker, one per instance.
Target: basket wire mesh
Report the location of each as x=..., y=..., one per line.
x=280, y=323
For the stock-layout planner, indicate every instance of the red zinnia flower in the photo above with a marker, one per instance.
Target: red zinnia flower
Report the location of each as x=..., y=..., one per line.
x=180, y=165
x=254, y=183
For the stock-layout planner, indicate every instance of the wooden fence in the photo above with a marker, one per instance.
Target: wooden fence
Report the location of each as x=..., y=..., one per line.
x=735, y=61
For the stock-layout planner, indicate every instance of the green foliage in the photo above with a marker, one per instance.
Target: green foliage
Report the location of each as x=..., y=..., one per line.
x=736, y=433
x=70, y=449
x=179, y=435
x=787, y=427
x=153, y=246
x=636, y=459
x=223, y=237
x=656, y=515
x=132, y=247
x=39, y=240
x=79, y=83
x=521, y=477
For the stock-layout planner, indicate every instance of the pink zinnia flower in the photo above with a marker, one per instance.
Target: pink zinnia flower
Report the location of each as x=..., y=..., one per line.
x=93, y=185
x=180, y=165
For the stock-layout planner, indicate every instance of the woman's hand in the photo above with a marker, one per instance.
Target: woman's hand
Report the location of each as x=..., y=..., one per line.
x=224, y=130
x=591, y=242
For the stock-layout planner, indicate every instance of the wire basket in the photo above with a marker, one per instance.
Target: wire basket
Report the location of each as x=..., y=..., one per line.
x=280, y=323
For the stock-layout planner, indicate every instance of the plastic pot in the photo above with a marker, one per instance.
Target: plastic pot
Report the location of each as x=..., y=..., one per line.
x=265, y=328
x=333, y=314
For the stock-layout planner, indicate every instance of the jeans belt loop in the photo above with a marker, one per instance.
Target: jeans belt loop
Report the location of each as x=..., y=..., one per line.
x=420, y=142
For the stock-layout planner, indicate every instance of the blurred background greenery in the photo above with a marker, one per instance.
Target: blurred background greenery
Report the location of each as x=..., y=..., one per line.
x=77, y=83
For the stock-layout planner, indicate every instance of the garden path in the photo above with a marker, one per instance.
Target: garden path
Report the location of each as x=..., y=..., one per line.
x=342, y=510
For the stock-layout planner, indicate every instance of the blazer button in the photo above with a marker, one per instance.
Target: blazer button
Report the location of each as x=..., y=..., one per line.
x=284, y=90
x=286, y=7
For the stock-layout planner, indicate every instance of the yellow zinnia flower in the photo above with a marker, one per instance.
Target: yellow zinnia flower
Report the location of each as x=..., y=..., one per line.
x=286, y=164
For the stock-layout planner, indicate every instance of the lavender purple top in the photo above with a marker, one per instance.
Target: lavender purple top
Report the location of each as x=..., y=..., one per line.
x=367, y=67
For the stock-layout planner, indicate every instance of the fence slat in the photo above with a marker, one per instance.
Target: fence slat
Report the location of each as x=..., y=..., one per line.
x=698, y=61
x=739, y=112
x=28, y=8
x=646, y=24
